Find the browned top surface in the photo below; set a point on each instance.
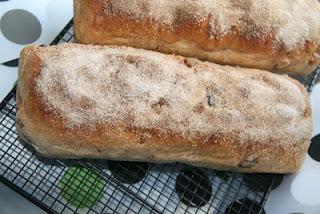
(288, 23)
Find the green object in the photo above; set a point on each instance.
(81, 187)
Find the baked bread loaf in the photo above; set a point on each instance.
(279, 36)
(78, 101)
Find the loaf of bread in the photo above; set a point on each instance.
(78, 101)
(279, 36)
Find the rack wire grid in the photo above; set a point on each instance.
(101, 186)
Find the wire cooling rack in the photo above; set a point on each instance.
(100, 186)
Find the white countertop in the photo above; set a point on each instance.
(53, 16)
(13, 203)
(297, 193)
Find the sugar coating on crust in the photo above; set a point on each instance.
(290, 22)
(89, 85)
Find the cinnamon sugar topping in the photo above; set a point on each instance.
(292, 21)
(119, 85)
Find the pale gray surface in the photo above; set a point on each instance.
(12, 203)
(20, 26)
(8, 76)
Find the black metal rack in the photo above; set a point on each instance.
(97, 186)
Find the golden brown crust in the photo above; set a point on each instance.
(47, 131)
(188, 37)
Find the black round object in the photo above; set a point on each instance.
(244, 206)
(128, 172)
(223, 175)
(261, 182)
(314, 148)
(12, 63)
(48, 161)
(72, 162)
(98, 163)
(193, 187)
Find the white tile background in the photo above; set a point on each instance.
(53, 15)
(57, 13)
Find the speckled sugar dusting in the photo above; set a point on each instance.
(146, 89)
(258, 18)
